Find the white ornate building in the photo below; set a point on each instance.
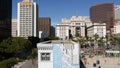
(74, 25)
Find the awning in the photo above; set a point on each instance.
(108, 51)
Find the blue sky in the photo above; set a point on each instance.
(58, 9)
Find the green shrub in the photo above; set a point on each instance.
(100, 52)
(8, 63)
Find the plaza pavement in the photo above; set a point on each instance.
(111, 62)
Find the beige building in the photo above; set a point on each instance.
(44, 25)
(97, 28)
(74, 25)
(14, 28)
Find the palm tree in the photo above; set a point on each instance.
(82, 41)
(110, 40)
(101, 42)
(91, 40)
(101, 45)
(32, 56)
(96, 36)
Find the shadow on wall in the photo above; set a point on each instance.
(82, 65)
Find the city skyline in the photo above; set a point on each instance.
(57, 10)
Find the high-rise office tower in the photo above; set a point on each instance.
(5, 18)
(44, 24)
(27, 18)
(103, 13)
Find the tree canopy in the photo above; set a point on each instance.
(14, 46)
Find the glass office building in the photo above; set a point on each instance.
(5, 18)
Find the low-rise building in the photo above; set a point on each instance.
(117, 29)
(45, 55)
(97, 28)
(58, 54)
(63, 31)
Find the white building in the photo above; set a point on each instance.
(63, 31)
(14, 27)
(117, 12)
(97, 28)
(74, 25)
(117, 29)
(27, 18)
(58, 54)
(45, 55)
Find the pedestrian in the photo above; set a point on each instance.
(105, 60)
(85, 60)
(99, 67)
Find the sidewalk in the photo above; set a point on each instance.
(26, 64)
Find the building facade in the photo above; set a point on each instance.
(97, 28)
(45, 56)
(58, 54)
(5, 18)
(117, 29)
(117, 12)
(27, 18)
(103, 13)
(73, 26)
(62, 31)
(44, 24)
(14, 27)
